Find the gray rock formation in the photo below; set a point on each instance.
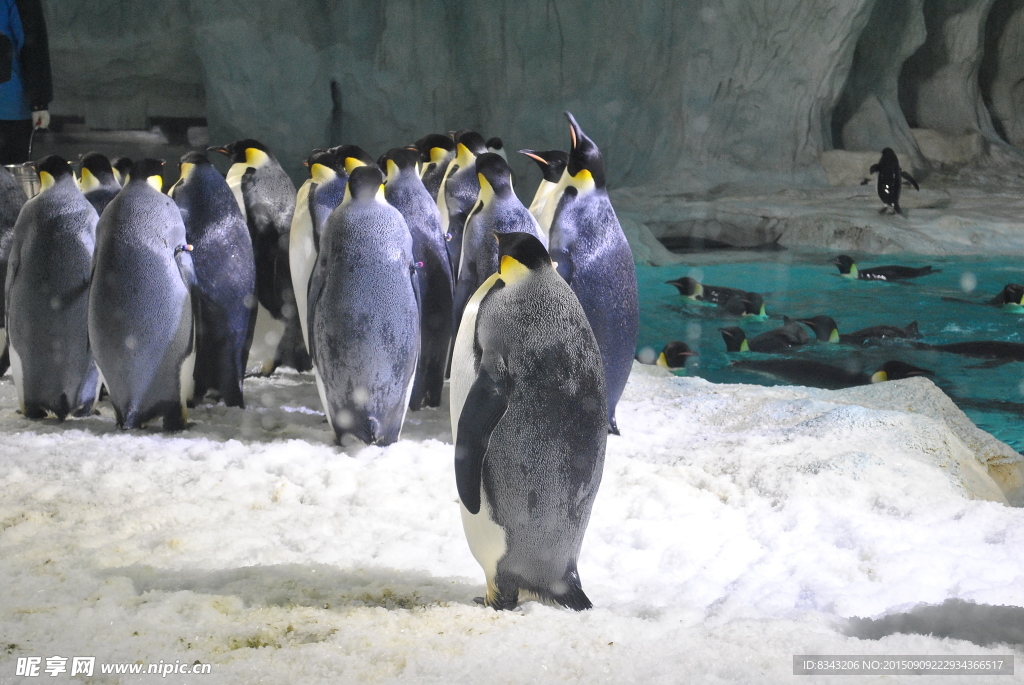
(1002, 69)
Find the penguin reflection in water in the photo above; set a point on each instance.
(530, 425)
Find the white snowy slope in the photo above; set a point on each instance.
(735, 527)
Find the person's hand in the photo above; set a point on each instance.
(41, 119)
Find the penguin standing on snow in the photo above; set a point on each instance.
(47, 297)
(458, 193)
(890, 180)
(141, 326)
(530, 427)
(405, 192)
(12, 199)
(436, 152)
(266, 196)
(594, 258)
(225, 278)
(364, 328)
(98, 182)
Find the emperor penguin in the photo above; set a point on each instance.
(890, 181)
(141, 325)
(458, 192)
(530, 426)
(47, 297)
(319, 195)
(364, 328)
(266, 196)
(97, 181)
(12, 199)
(405, 192)
(594, 258)
(552, 165)
(436, 152)
(497, 211)
(225, 278)
(122, 167)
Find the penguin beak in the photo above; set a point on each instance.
(217, 148)
(532, 155)
(574, 128)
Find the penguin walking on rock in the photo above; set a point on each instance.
(497, 211)
(590, 249)
(141, 325)
(97, 181)
(890, 181)
(405, 192)
(47, 297)
(12, 199)
(458, 193)
(436, 153)
(364, 328)
(530, 427)
(266, 196)
(225, 278)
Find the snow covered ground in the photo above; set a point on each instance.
(735, 527)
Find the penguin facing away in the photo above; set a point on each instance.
(364, 328)
(530, 428)
(594, 258)
(122, 168)
(890, 180)
(98, 182)
(405, 192)
(141, 325)
(458, 193)
(225, 278)
(47, 297)
(12, 199)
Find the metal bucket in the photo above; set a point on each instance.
(27, 176)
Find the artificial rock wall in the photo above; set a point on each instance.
(691, 95)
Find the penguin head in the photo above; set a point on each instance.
(364, 183)
(495, 144)
(246, 151)
(323, 166)
(1013, 293)
(585, 161)
(844, 263)
(494, 175)
(889, 157)
(122, 168)
(687, 287)
(399, 160)
(190, 160)
(551, 162)
(95, 171)
(351, 156)
(435, 147)
(895, 370)
(519, 254)
(753, 304)
(675, 354)
(824, 327)
(149, 171)
(52, 169)
(468, 145)
(735, 339)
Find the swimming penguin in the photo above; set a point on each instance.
(1012, 294)
(826, 330)
(225, 278)
(590, 249)
(364, 328)
(998, 351)
(141, 325)
(47, 297)
(12, 199)
(815, 374)
(552, 165)
(266, 196)
(436, 152)
(122, 168)
(672, 357)
(780, 339)
(890, 180)
(530, 427)
(848, 269)
(733, 300)
(98, 181)
(405, 192)
(458, 193)
(497, 211)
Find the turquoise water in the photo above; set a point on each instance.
(948, 306)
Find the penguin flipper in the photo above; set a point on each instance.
(873, 169)
(485, 405)
(910, 179)
(313, 290)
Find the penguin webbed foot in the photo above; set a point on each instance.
(613, 427)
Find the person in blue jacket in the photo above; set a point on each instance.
(26, 85)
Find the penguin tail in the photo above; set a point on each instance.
(571, 595)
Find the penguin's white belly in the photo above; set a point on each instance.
(265, 338)
(301, 255)
(234, 179)
(463, 374)
(186, 376)
(485, 537)
(18, 376)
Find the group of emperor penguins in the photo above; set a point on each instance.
(391, 273)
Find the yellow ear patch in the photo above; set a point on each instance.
(834, 336)
(88, 181)
(380, 194)
(744, 347)
(156, 181)
(879, 377)
(512, 269)
(255, 158)
(322, 173)
(486, 191)
(392, 170)
(351, 163)
(186, 169)
(46, 180)
(583, 181)
(437, 154)
(662, 361)
(464, 156)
